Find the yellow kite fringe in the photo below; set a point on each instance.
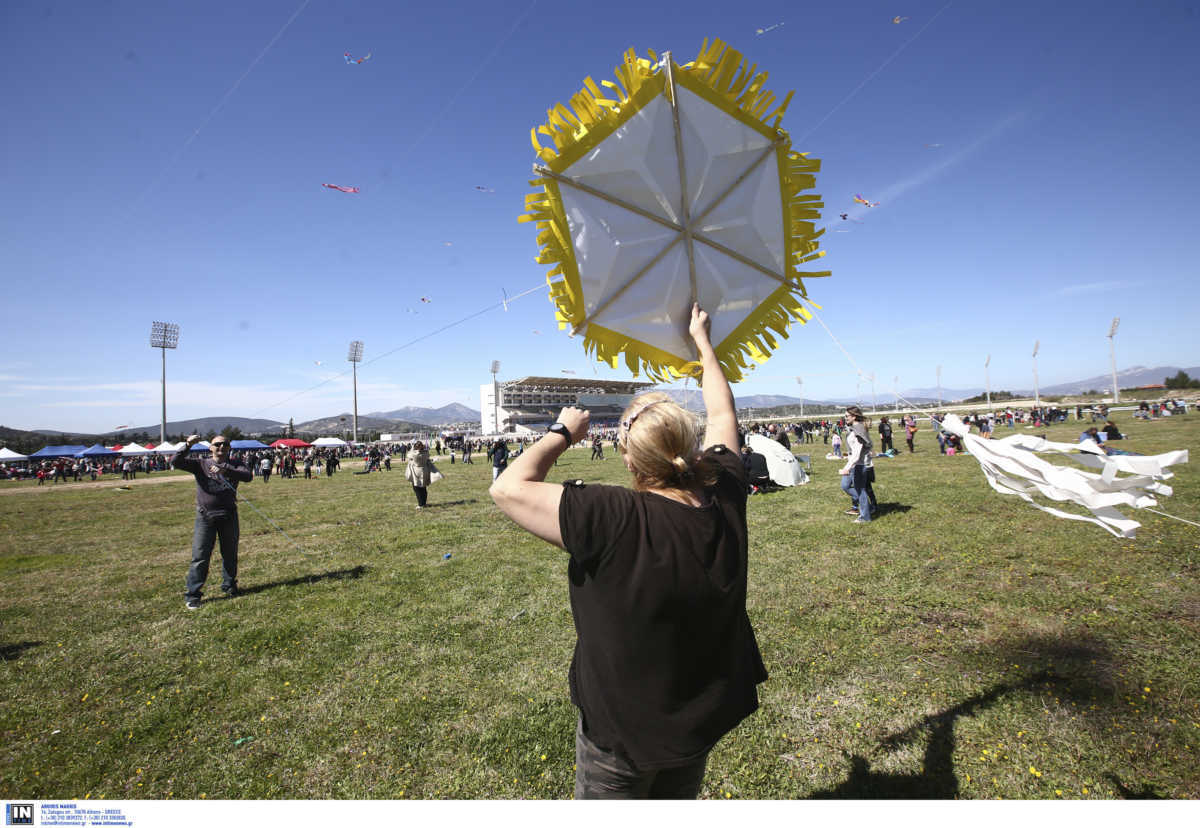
(722, 77)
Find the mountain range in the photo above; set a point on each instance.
(415, 418)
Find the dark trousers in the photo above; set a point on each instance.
(885, 443)
(205, 536)
(422, 493)
(601, 774)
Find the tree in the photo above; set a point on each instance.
(291, 431)
(232, 433)
(1181, 380)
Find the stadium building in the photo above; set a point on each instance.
(530, 404)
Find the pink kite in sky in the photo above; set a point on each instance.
(860, 200)
(341, 189)
(352, 59)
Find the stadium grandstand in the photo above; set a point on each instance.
(530, 404)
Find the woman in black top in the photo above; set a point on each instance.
(665, 661)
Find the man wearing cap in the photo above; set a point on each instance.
(217, 478)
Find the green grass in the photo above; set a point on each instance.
(953, 647)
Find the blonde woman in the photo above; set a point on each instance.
(665, 661)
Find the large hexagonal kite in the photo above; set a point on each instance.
(679, 188)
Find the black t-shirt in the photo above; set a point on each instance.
(665, 661)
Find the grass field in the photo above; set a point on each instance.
(962, 645)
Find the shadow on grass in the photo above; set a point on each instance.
(10, 651)
(1146, 791)
(335, 575)
(450, 503)
(1081, 668)
(892, 508)
(936, 779)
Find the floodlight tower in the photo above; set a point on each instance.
(1112, 356)
(874, 401)
(987, 380)
(896, 391)
(164, 335)
(1037, 400)
(800, 382)
(495, 395)
(355, 357)
(939, 375)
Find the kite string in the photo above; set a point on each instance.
(831, 336)
(868, 78)
(220, 104)
(436, 120)
(1172, 517)
(411, 342)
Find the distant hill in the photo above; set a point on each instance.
(1129, 378)
(452, 413)
(204, 425)
(342, 423)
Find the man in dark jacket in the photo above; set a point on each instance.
(216, 513)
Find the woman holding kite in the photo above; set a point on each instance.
(665, 661)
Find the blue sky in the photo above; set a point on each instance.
(163, 161)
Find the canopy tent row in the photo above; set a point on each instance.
(10, 456)
(57, 451)
(290, 442)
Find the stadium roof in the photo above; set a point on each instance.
(569, 384)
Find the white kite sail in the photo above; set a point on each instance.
(1012, 466)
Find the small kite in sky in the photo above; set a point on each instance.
(846, 217)
(567, 371)
(539, 333)
(761, 32)
(118, 428)
(860, 200)
(426, 299)
(484, 189)
(504, 293)
(317, 362)
(351, 59)
(898, 20)
(341, 189)
(448, 244)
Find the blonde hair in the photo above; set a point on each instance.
(661, 443)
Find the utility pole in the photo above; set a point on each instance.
(939, 383)
(987, 381)
(1112, 356)
(800, 382)
(1037, 400)
(164, 335)
(355, 357)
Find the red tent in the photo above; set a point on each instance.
(290, 442)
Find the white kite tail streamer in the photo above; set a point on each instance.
(1012, 466)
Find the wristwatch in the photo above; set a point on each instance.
(561, 430)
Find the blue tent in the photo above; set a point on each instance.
(97, 451)
(58, 451)
(247, 444)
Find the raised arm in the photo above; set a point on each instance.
(721, 427)
(520, 491)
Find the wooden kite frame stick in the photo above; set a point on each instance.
(684, 213)
(604, 306)
(579, 185)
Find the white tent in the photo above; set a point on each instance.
(782, 465)
(329, 441)
(10, 456)
(134, 448)
(167, 448)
